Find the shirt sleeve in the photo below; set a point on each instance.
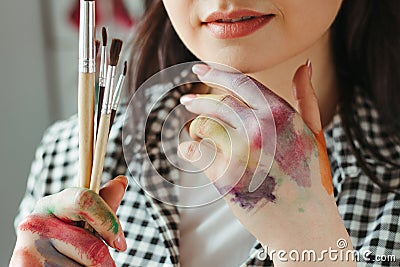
(54, 166)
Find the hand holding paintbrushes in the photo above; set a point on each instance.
(91, 166)
(108, 101)
(109, 104)
(73, 245)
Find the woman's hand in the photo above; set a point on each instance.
(270, 161)
(50, 235)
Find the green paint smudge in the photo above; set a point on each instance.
(113, 223)
(51, 210)
(108, 216)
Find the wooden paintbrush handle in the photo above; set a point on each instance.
(86, 105)
(100, 152)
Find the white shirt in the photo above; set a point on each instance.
(209, 235)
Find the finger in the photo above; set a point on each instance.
(51, 240)
(79, 204)
(222, 171)
(24, 257)
(226, 108)
(25, 254)
(250, 91)
(213, 130)
(307, 105)
(306, 100)
(113, 192)
(201, 154)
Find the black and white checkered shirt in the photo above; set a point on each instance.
(370, 215)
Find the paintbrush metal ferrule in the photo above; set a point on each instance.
(87, 47)
(108, 92)
(103, 66)
(117, 92)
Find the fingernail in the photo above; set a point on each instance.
(120, 242)
(191, 150)
(123, 180)
(187, 99)
(201, 69)
(309, 66)
(186, 152)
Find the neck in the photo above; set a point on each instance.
(279, 77)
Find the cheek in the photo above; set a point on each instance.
(308, 20)
(183, 20)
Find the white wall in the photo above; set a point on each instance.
(23, 107)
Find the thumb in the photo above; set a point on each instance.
(307, 105)
(113, 191)
(306, 100)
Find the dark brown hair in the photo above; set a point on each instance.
(155, 46)
(365, 44)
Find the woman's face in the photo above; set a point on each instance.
(251, 35)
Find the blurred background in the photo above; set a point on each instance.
(38, 84)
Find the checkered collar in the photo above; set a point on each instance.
(342, 154)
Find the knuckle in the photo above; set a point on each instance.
(228, 100)
(229, 109)
(84, 199)
(24, 258)
(203, 126)
(32, 222)
(42, 205)
(314, 98)
(242, 80)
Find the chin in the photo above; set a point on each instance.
(237, 61)
(239, 64)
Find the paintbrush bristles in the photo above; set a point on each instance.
(104, 36)
(97, 47)
(115, 50)
(125, 68)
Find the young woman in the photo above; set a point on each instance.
(352, 51)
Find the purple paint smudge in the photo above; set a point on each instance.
(51, 255)
(248, 200)
(293, 149)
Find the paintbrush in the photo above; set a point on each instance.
(102, 75)
(117, 94)
(86, 87)
(105, 117)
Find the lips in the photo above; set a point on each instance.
(235, 24)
